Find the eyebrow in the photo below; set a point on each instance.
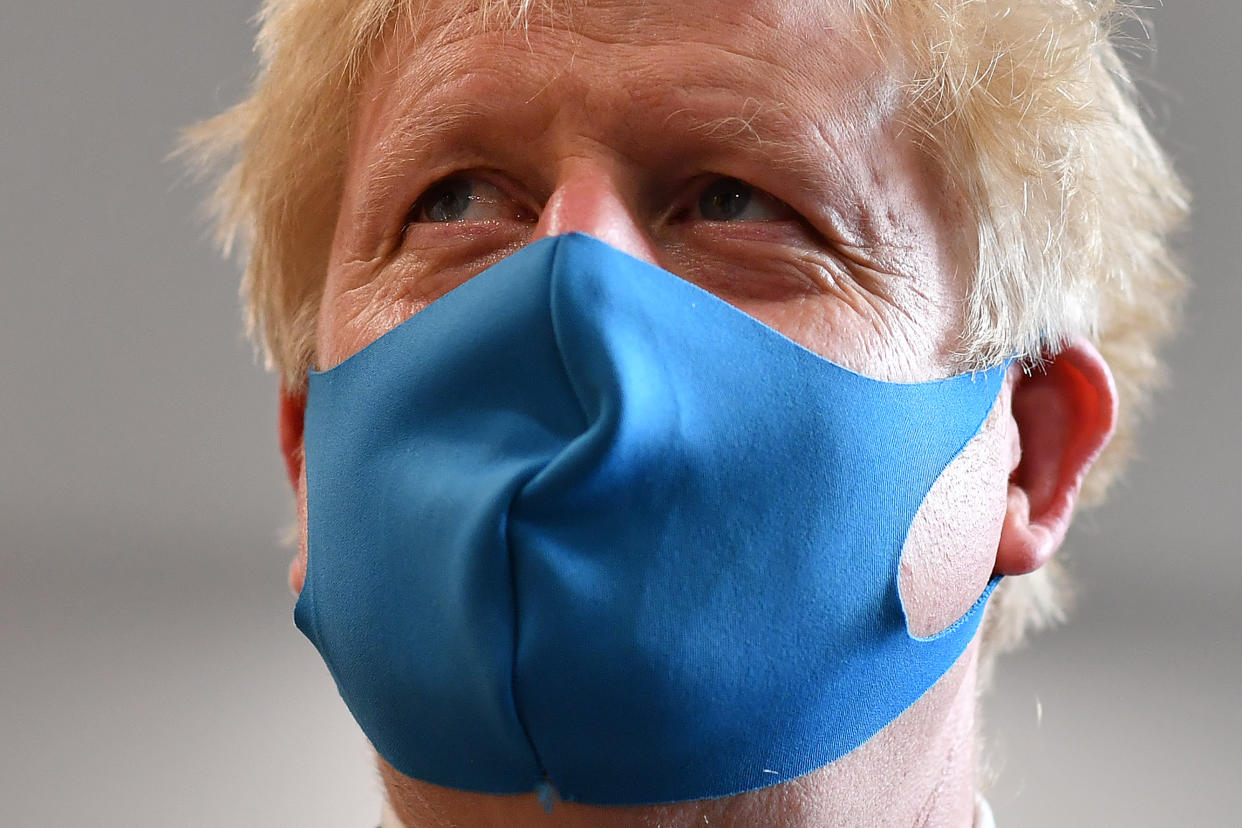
(749, 133)
(800, 143)
(740, 133)
(423, 126)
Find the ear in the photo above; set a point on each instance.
(292, 423)
(1064, 415)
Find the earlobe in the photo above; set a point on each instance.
(1064, 414)
(292, 422)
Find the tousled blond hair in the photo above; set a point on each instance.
(1026, 106)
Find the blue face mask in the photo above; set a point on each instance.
(581, 523)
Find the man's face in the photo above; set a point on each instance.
(753, 148)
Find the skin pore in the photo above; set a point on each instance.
(755, 149)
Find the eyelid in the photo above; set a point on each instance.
(688, 203)
(490, 178)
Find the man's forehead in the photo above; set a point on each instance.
(619, 19)
(799, 34)
(755, 58)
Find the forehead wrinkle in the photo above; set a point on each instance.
(414, 62)
(730, 108)
(444, 110)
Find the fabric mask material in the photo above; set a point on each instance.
(582, 523)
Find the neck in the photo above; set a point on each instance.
(918, 771)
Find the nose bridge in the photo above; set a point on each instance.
(588, 199)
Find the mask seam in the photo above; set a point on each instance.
(554, 270)
(517, 626)
(556, 330)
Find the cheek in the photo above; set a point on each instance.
(950, 552)
(860, 332)
(364, 300)
(353, 319)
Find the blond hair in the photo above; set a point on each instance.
(1026, 106)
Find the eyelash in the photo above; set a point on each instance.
(680, 211)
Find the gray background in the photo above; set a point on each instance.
(149, 671)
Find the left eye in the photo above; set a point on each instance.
(462, 198)
(730, 199)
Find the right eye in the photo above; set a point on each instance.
(463, 198)
(728, 199)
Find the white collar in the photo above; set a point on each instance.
(388, 818)
(983, 813)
